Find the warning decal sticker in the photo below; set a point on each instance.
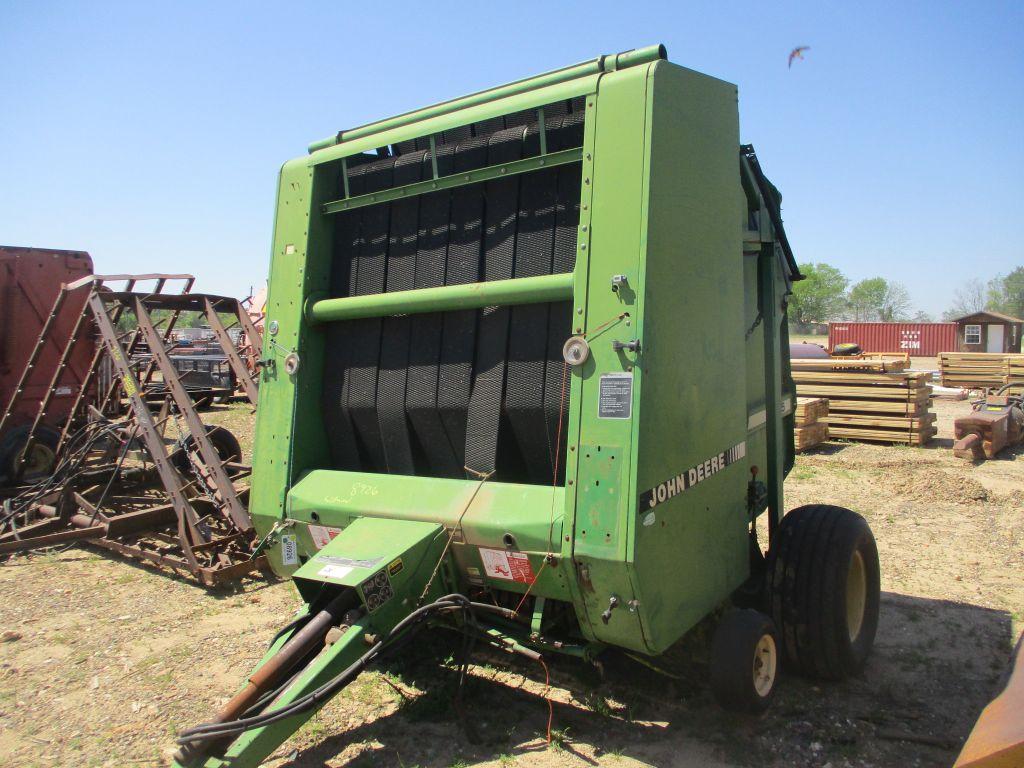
(511, 566)
(348, 561)
(289, 550)
(377, 590)
(615, 396)
(322, 536)
(332, 571)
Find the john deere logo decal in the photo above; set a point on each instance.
(691, 477)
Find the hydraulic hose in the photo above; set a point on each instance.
(216, 731)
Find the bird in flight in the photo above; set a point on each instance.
(797, 53)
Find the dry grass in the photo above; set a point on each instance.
(112, 658)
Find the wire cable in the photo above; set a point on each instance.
(317, 697)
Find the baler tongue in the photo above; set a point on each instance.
(368, 585)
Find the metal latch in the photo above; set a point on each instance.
(613, 603)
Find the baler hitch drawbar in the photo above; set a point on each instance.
(252, 708)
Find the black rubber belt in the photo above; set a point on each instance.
(404, 147)
(365, 334)
(528, 337)
(344, 275)
(488, 127)
(396, 331)
(425, 346)
(459, 328)
(454, 135)
(485, 405)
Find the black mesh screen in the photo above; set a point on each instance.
(431, 394)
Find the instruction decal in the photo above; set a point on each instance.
(334, 571)
(348, 561)
(511, 566)
(322, 536)
(289, 550)
(691, 477)
(377, 590)
(615, 396)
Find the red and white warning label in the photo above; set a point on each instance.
(502, 564)
(322, 535)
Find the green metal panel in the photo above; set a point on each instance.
(503, 93)
(609, 245)
(371, 545)
(483, 513)
(690, 548)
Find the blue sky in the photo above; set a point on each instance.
(151, 134)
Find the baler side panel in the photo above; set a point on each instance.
(690, 535)
(754, 329)
(603, 456)
(289, 430)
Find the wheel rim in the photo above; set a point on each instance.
(856, 595)
(765, 664)
(38, 463)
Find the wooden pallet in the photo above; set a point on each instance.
(876, 403)
(905, 408)
(856, 378)
(977, 370)
(920, 437)
(834, 392)
(809, 410)
(810, 436)
(875, 421)
(877, 364)
(1015, 374)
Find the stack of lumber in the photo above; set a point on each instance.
(1015, 374)
(973, 370)
(873, 400)
(810, 428)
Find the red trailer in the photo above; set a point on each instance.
(916, 339)
(30, 281)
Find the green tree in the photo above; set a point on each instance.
(867, 298)
(896, 305)
(967, 299)
(1006, 293)
(820, 296)
(876, 299)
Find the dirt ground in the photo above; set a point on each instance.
(104, 660)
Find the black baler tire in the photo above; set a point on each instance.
(807, 575)
(224, 442)
(732, 656)
(14, 442)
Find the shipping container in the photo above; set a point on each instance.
(916, 339)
